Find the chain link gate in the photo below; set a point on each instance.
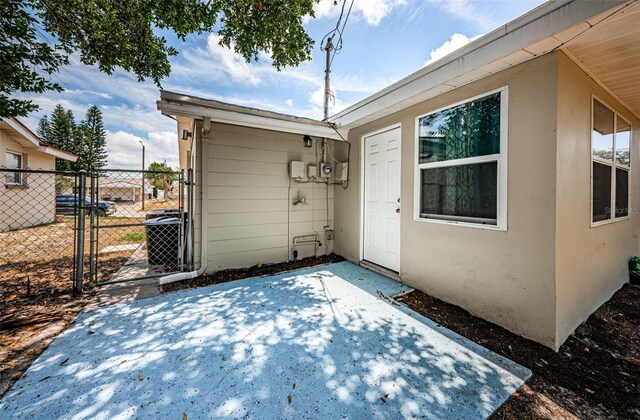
(137, 224)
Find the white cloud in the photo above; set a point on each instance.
(289, 102)
(218, 62)
(87, 93)
(456, 41)
(125, 152)
(465, 10)
(371, 11)
(316, 102)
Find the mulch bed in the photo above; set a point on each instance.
(595, 374)
(224, 276)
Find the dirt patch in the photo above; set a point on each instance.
(35, 307)
(224, 276)
(596, 373)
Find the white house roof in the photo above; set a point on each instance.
(180, 105)
(28, 139)
(120, 184)
(553, 25)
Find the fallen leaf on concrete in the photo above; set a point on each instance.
(183, 357)
(223, 357)
(184, 416)
(124, 361)
(290, 398)
(64, 362)
(383, 400)
(91, 332)
(386, 395)
(294, 386)
(140, 377)
(290, 323)
(92, 323)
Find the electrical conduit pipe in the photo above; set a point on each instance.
(204, 201)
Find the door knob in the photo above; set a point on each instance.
(398, 210)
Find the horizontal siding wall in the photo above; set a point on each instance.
(250, 216)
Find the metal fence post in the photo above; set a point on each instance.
(82, 204)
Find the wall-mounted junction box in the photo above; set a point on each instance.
(296, 169)
(342, 171)
(312, 171)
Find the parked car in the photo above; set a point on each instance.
(66, 204)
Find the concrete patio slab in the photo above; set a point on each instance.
(315, 343)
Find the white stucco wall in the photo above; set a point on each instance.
(34, 202)
(504, 277)
(591, 262)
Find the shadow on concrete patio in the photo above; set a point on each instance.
(307, 344)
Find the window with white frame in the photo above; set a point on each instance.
(461, 162)
(14, 161)
(610, 164)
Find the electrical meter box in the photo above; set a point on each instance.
(342, 171)
(312, 171)
(325, 170)
(296, 169)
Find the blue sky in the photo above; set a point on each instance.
(384, 41)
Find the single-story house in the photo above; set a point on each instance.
(20, 148)
(500, 178)
(127, 189)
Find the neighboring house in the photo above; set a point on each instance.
(26, 199)
(501, 178)
(115, 189)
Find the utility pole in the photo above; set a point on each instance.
(143, 190)
(327, 78)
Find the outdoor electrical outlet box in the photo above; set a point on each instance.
(325, 170)
(312, 171)
(342, 171)
(296, 169)
(329, 234)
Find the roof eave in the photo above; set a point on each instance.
(175, 105)
(537, 25)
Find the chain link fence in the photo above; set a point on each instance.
(37, 237)
(60, 231)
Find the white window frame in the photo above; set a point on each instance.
(612, 164)
(21, 175)
(501, 159)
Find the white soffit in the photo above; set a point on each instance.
(536, 33)
(610, 53)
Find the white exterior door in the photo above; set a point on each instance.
(381, 230)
